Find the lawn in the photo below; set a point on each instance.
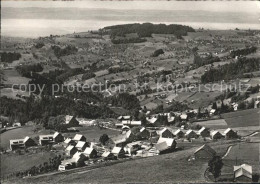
(213, 124)
(243, 118)
(92, 133)
(13, 162)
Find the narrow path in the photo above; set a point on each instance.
(228, 150)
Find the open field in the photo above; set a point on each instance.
(213, 124)
(242, 118)
(176, 166)
(13, 162)
(13, 77)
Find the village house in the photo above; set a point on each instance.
(144, 133)
(107, 155)
(118, 152)
(204, 132)
(178, 133)
(132, 147)
(70, 150)
(230, 134)
(165, 145)
(90, 152)
(50, 139)
(68, 142)
(165, 133)
(191, 134)
(81, 145)
(119, 140)
(152, 120)
(21, 143)
(243, 173)
(205, 151)
(132, 123)
(79, 137)
(184, 117)
(79, 159)
(71, 120)
(212, 112)
(214, 134)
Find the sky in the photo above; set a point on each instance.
(216, 6)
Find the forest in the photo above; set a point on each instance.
(243, 52)
(147, 29)
(9, 57)
(231, 71)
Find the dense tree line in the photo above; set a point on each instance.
(231, 71)
(243, 52)
(125, 100)
(147, 29)
(49, 106)
(68, 50)
(27, 70)
(9, 57)
(128, 40)
(39, 45)
(88, 75)
(198, 61)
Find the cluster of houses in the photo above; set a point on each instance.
(241, 173)
(29, 142)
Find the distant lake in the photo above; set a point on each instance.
(44, 27)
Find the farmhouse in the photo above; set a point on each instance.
(230, 134)
(165, 133)
(205, 151)
(204, 132)
(81, 145)
(118, 152)
(70, 150)
(243, 173)
(179, 134)
(215, 135)
(71, 120)
(119, 140)
(79, 137)
(191, 134)
(165, 145)
(90, 152)
(107, 155)
(21, 143)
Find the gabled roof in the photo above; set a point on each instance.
(81, 144)
(77, 156)
(201, 130)
(163, 130)
(142, 129)
(214, 132)
(207, 148)
(227, 130)
(55, 134)
(26, 139)
(68, 140)
(70, 147)
(88, 151)
(121, 138)
(189, 132)
(243, 170)
(116, 150)
(169, 141)
(106, 154)
(178, 131)
(77, 137)
(162, 146)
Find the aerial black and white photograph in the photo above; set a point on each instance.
(103, 91)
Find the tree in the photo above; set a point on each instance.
(214, 105)
(215, 166)
(103, 139)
